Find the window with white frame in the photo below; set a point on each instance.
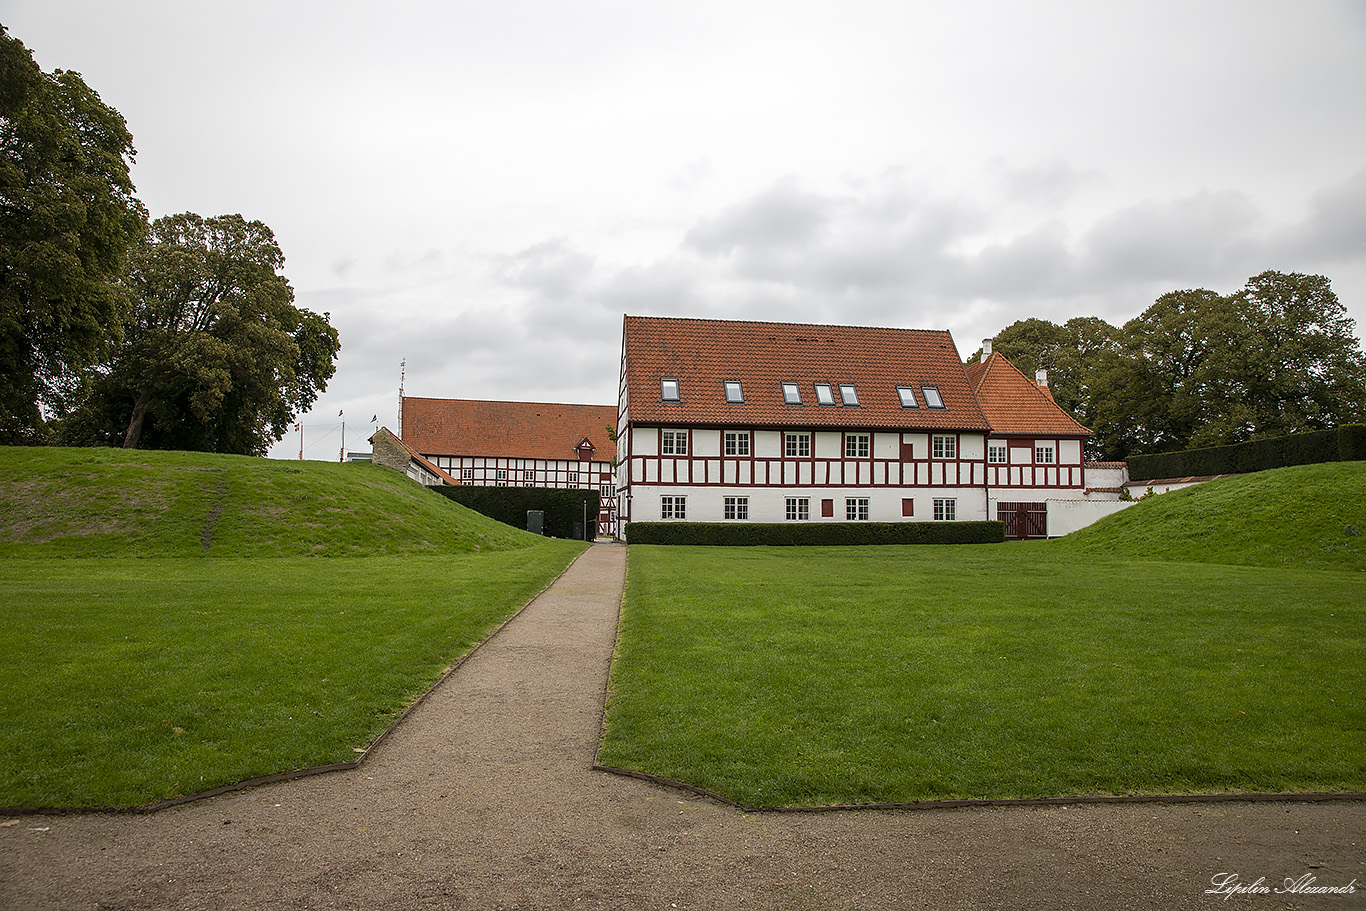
(932, 397)
(573, 477)
(824, 395)
(798, 509)
(791, 394)
(945, 510)
(907, 396)
(944, 446)
(668, 390)
(734, 393)
(529, 475)
(1043, 453)
(607, 492)
(674, 442)
(736, 508)
(797, 445)
(996, 454)
(737, 442)
(467, 474)
(673, 507)
(502, 474)
(848, 394)
(856, 509)
(856, 445)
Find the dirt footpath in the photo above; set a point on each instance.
(484, 798)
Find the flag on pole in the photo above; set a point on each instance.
(373, 420)
(339, 412)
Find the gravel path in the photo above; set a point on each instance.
(484, 798)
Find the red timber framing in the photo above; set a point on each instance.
(909, 462)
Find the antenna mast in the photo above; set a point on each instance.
(402, 373)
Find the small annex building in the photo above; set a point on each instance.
(519, 444)
(722, 420)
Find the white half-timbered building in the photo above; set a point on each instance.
(1035, 451)
(518, 444)
(772, 422)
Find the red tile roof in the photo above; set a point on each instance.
(704, 354)
(523, 430)
(1014, 403)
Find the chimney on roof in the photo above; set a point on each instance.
(986, 348)
(1041, 377)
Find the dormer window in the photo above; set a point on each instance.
(823, 394)
(932, 397)
(791, 394)
(848, 395)
(907, 396)
(668, 390)
(734, 393)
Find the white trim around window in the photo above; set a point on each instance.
(856, 509)
(945, 509)
(944, 446)
(736, 508)
(673, 507)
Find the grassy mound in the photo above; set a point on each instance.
(1311, 516)
(117, 503)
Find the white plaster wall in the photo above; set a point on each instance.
(829, 445)
(1066, 516)
(886, 445)
(972, 446)
(1069, 451)
(1107, 477)
(769, 504)
(644, 441)
(768, 444)
(706, 443)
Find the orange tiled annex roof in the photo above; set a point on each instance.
(1013, 403)
(523, 430)
(702, 355)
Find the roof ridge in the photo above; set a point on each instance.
(785, 323)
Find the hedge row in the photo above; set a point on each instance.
(1346, 444)
(563, 507)
(743, 534)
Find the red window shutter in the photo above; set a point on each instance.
(907, 506)
(827, 509)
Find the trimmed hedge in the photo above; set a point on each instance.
(563, 507)
(1346, 444)
(824, 534)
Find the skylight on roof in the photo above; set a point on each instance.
(791, 394)
(823, 394)
(907, 396)
(733, 391)
(932, 397)
(848, 395)
(668, 390)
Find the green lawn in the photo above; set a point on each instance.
(170, 622)
(124, 682)
(806, 676)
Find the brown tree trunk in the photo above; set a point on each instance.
(130, 439)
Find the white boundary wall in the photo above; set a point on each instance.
(1066, 516)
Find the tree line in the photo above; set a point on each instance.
(1199, 368)
(178, 333)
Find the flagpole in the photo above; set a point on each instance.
(301, 441)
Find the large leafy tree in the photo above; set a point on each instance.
(1199, 368)
(215, 356)
(68, 219)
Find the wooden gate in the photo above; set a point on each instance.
(1023, 520)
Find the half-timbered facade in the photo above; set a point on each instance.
(1035, 450)
(751, 421)
(518, 444)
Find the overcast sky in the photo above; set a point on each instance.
(486, 188)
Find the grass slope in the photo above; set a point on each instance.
(159, 666)
(1105, 665)
(111, 502)
(1310, 516)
